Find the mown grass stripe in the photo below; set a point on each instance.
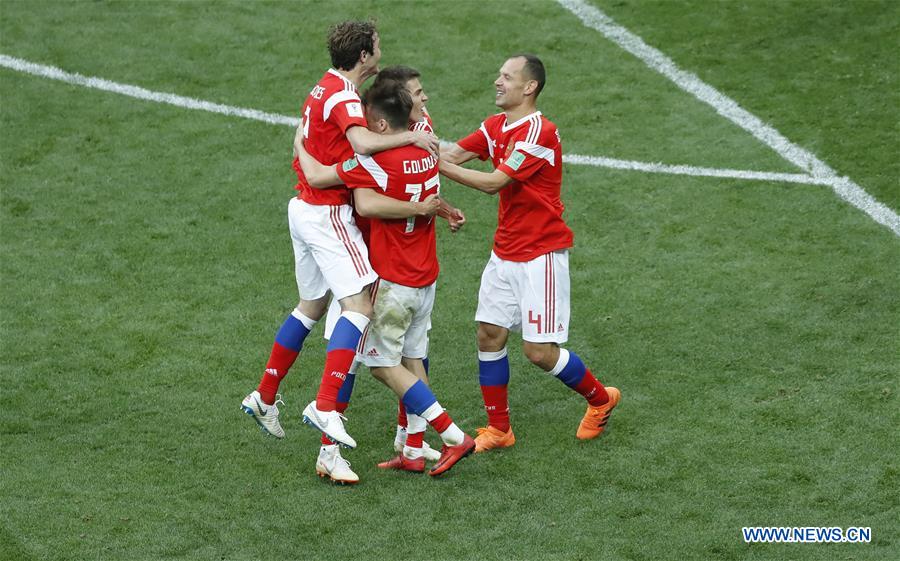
(844, 187)
(134, 91)
(191, 103)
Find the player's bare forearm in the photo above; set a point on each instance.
(453, 153)
(372, 204)
(318, 176)
(490, 183)
(367, 142)
(454, 216)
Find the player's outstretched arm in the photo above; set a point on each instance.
(453, 153)
(372, 204)
(490, 183)
(367, 142)
(318, 176)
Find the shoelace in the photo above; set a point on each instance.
(279, 400)
(337, 456)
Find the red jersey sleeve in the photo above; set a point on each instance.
(344, 108)
(362, 172)
(527, 158)
(477, 143)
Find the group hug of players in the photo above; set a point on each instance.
(363, 234)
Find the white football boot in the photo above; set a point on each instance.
(266, 416)
(333, 466)
(429, 453)
(329, 422)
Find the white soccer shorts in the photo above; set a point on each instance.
(399, 326)
(334, 312)
(531, 297)
(329, 252)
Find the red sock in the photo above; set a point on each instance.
(337, 364)
(415, 440)
(592, 390)
(496, 403)
(401, 414)
(280, 361)
(440, 423)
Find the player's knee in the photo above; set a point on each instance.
(491, 340)
(379, 374)
(313, 309)
(360, 303)
(542, 355)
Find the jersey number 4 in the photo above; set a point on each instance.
(415, 189)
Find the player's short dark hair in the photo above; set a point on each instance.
(389, 100)
(349, 38)
(399, 73)
(534, 70)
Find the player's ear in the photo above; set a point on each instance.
(530, 87)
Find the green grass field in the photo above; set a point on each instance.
(753, 327)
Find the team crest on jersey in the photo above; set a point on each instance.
(515, 160)
(350, 164)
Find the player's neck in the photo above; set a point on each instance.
(513, 114)
(355, 75)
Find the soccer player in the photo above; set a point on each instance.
(419, 119)
(330, 256)
(404, 255)
(525, 285)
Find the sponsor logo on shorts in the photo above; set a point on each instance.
(372, 352)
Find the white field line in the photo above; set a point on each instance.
(140, 93)
(728, 108)
(613, 163)
(845, 188)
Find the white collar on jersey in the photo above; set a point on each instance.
(508, 127)
(341, 76)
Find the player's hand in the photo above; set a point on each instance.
(426, 141)
(456, 220)
(429, 206)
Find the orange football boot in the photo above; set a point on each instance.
(595, 418)
(490, 437)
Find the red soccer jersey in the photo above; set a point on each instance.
(425, 124)
(362, 222)
(332, 107)
(529, 222)
(403, 251)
